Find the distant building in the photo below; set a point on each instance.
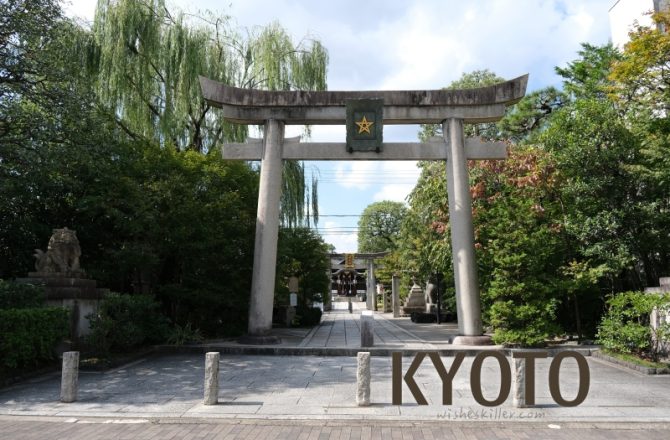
(624, 13)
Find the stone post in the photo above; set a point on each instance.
(367, 325)
(267, 228)
(395, 292)
(462, 233)
(363, 378)
(211, 378)
(370, 285)
(69, 385)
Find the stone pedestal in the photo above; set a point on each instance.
(70, 290)
(416, 302)
(472, 340)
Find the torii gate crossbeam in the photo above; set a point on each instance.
(451, 108)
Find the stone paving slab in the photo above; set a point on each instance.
(323, 388)
(338, 334)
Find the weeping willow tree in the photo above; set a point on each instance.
(147, 60)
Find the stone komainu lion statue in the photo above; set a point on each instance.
(62, 255)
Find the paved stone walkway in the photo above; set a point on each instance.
(314, 396)
(339, 328)
(323, 388)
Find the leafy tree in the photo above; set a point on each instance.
(303, 253)
(531, 115)
(147, 62)
(588, 77)
(379, 226)
(46, 115)
(27, 28)
(519, 245)
(471, 80)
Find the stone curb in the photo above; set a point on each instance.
(341, 351)
(631, 366)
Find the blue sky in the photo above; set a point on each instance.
(398, 45)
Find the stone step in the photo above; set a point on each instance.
(664, 281)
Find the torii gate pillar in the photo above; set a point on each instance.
(267, 231)
(462, 237)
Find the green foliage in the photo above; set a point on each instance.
(307, 316)
(531, 115)
(302, 253)
(588, 76)
(625, 327)
(470, 80)
(27, 27)
(29, 336)
(379, 226)
(185, 335)
(20, 296)
(519, 246)
(147, 62)
(125, 322)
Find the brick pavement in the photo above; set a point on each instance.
(21, 428)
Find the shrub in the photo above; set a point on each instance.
(307, 316)
(20, 296)
(523, 325)
(125, 322)
(29, 336)
(185, 335)
(625, 327)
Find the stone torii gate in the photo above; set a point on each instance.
(451, 108)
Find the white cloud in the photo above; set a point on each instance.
(402, 177)
(80, 9)
(355, 174)
(394, 192)
(343, 241)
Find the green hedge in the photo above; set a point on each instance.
(625, 326)
(125, 322)
(20, 296)
(29, 336)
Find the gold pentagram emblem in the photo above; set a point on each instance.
(364, 125)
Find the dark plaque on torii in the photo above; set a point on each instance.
(365, 124)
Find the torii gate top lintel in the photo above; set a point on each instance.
(252, 106)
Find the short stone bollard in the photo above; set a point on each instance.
(518, 382)
(523, 377)
(69, 384)
(212, 378)
(367, 324)
(363, 379)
